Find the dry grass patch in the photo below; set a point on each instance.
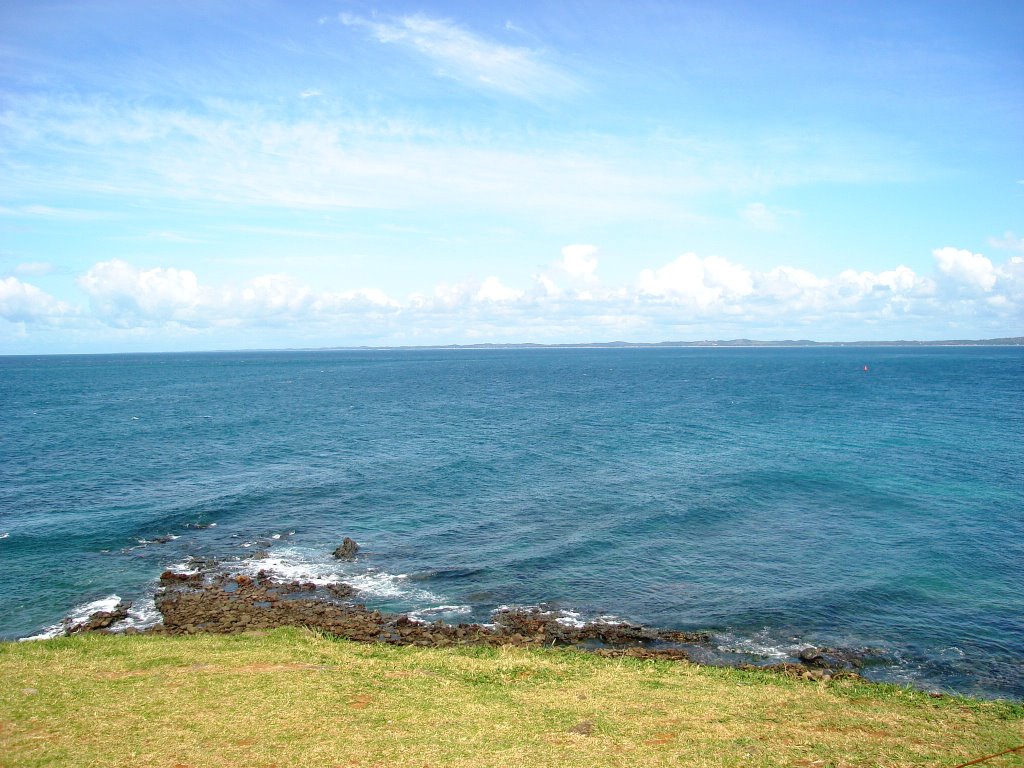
(295, 698)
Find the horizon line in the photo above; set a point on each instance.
(743, 343)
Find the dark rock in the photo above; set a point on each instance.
(812, 657)
(102, 619)
(340, 590)
(347, 550)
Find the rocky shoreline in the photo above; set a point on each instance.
(208, 600)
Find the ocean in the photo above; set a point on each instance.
(859, 498)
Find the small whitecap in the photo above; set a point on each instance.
(4, 535)
(142, 615)
(76, 616)
(759, 644)
(426, 615)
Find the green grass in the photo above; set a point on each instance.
(292, 697)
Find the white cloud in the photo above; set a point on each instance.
(579, 262)
(234, 153)
(760, 217)
(689, 297)
(310, 93)
(49, 212)
(696, 281)
(766, 218)
(1009, 242)
(492, 289)
(24, 302)
(123, 294)
(972, 269)
(469, 58)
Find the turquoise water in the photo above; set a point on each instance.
(779, 497)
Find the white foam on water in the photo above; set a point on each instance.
(389, 585)
(159, 539)
(76, 616)
(426, 615)
(185, 566)
(759, 644)
(294, 564)
(571, 619)
(291, 564)
(563, 616)
(4, 535)
(142, 615)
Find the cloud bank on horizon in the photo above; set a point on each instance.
(323, 175)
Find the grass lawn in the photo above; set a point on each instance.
(292, 697)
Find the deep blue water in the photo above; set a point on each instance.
(780, 497)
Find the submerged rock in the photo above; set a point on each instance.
(347, 550)
(812, 657)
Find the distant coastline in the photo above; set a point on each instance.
(1008, 341)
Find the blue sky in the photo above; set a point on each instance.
(214, 175)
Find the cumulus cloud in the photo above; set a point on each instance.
(579, 262)
(696, 281)
(689, 296)
(573, 275)
(22, 302)
(971, 269)
(123, 295)
(492, 289)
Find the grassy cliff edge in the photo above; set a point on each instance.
(293, 697)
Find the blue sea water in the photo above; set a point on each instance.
(778, 497)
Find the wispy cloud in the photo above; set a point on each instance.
(1008, 242)
(34, 268)
(163, 237)
(251, 155)
(49, 212)
(469, 58)
(766, 218)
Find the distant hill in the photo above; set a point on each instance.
(1011, 341)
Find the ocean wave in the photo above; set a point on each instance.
(76, 616)
(142, 615)
(427, 615)
(564, 616)
(761, 643)
(295, 564)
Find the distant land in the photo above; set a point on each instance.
(1010, 341)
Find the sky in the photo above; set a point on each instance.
(223, 175)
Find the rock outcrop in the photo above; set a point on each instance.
(347, 550)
